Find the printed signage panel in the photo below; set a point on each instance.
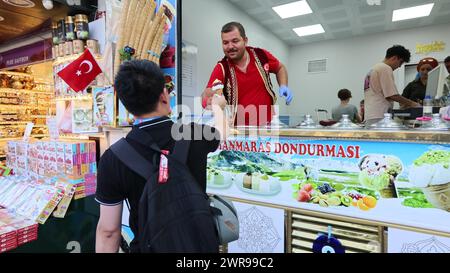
(399, 183)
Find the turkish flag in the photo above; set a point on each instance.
(81, 72)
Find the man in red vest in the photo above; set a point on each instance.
(243, 76)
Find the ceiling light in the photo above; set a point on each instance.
(309, 30)
(293, 9)
(48, 4)
(20, 3)
(412, 12)
(2, 19)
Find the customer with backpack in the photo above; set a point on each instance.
(162, 177)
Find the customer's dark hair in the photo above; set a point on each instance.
(233, 25)
(447, 60)
(344, 94)
(399, 51)
(139, 84)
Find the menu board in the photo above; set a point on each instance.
(399, 183)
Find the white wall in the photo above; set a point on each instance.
(349, 61)
(202, 22)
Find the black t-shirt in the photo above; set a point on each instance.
(415, 91)
(116, 182)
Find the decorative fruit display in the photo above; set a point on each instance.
(334, 201)
(361, 205)
(363, 202)
(331, 194)
(321, 199)
(303, 196)
(346, 201)
(308, 187)
(326, 188)
(370, 201)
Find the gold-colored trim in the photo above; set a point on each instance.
(346, 224)
(264, 77)
(342, 218)
(288, 231)
(234, 91)
(385, 240)
(404, 135)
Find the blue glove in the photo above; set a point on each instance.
(285, 92)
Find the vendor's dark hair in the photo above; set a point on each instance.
(139, 84)
(399, 51)
(344, 94)
(231, 26)
(447, 60)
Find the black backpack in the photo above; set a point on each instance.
(174, 217)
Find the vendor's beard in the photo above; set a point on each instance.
(238, 57)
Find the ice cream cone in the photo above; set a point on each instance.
(438, 196)
(217, 87)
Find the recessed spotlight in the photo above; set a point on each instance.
(48, 4)
(412, 12)
(293, 9)
(20, 3)
(309, 30)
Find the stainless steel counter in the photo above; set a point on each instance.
(378, 135)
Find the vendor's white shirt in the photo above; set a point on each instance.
(379, 85)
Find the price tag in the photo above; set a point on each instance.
(52, 128)
(28, 129)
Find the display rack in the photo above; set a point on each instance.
(19, 106)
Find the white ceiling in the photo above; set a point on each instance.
(341, 18)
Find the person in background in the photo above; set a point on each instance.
(345, 108)
(380, 91)
(416, 89)
(361, 110)
(447, 82)
(245, 75)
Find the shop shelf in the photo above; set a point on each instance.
(4, 106)
(12, 90)
(38, 116)
(9, 139)
(12, 123)
(12, 73)
(42, 135)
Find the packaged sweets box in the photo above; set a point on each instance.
(73, 158)
(15, 230)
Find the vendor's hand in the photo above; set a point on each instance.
(285, 92)
(410, 105)
(219, 101)
(206, 98)
(417, 105)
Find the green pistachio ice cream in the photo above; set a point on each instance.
(430, 169)
(377, 171)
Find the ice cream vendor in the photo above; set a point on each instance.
(243, 76)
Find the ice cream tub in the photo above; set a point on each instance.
(431, 173)
(378, 172)
(438, 196)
